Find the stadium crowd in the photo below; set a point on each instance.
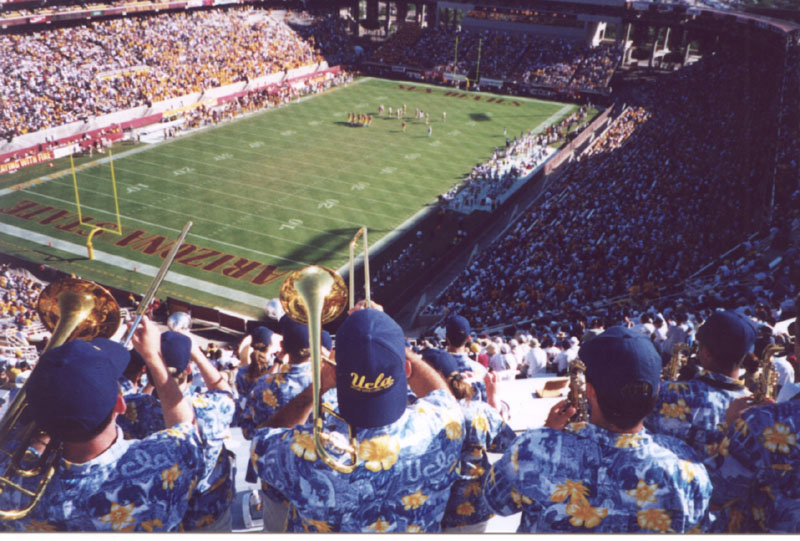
(74, 73)
(534, 60)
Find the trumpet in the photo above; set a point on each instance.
(314, 296)
(72, 309)
(577, 391)
(766, 378)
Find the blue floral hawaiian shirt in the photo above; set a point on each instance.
(693, 410)
(756, 473)
(588, 479)
(126, 386)
(402, 483)
(214, 411)
(272, 393)
(485, 431)
(135, 485)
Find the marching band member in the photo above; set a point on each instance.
(104, 482)
(409, 454)
(210, 503)
(756, 474)
(693, 410)
(272, 393)
(264, 345)
(485, 431)
(610, 474)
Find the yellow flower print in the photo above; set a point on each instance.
(785, 468)
(688, 470)
(205, 521)
(643, 493)
(170, 476)
(577, 426)
(152, 525)
(120, 516)
(192, 486)
(413, 501)
(379, 525)
(515, 459)
(570, 489)
(413, 528)
(779, 438)
(477, 452)
(627, 440)
(735, 521)
(304, 446)
(741, 427)
(319, 525)
(583, 514)
(199, 401)
(465, 509)
(473, 488)
(379, 453)
(678, 386)
(480, 423)
(677, 410)
(279, 378)
(453, 429)
(657, 520)
(519, 499)
(723, 446)
(176, 433)
(39, 526)
(269, 398)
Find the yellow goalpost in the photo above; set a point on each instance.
(94, 227)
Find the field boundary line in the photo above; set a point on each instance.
(141, 268)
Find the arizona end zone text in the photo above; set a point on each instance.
(206, 259)
(462, 95)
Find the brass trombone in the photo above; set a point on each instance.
(359, 233)
(314, 296)
(766, 378)
(679, 357)
(74, 310)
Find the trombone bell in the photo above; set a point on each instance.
(313, 296)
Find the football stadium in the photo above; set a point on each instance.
(316, 266)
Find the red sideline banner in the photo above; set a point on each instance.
(39, 157)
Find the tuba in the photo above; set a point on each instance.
(577, 391)
(72, 309)
(316, 295)
(766, 378)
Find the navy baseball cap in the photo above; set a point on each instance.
(441, 360)
(261, 335)
(176, 350)
(370, 369)
(619, 357)
(295, 336)
(457, 328)
(729, 334)
(76, 384)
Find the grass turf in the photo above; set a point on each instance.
(270, 192)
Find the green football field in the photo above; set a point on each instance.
(268, 193)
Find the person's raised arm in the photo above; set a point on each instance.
(175, 408)
(214, 380)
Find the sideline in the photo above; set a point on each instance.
(141, 268)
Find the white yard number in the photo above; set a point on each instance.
(291, 224)
(359, 186)
(225, 156)
(182, 171)
(136, 188)
(328, 204)
(256, 144)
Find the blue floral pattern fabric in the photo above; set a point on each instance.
(756, 472)
(693, 410)
(126, 386)
(402, 483)
(272, 393)
(134, 486)
(214, 411)
(588, 479)
(484, 431)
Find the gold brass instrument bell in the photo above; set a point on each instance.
(72, 309)
(316, 295)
